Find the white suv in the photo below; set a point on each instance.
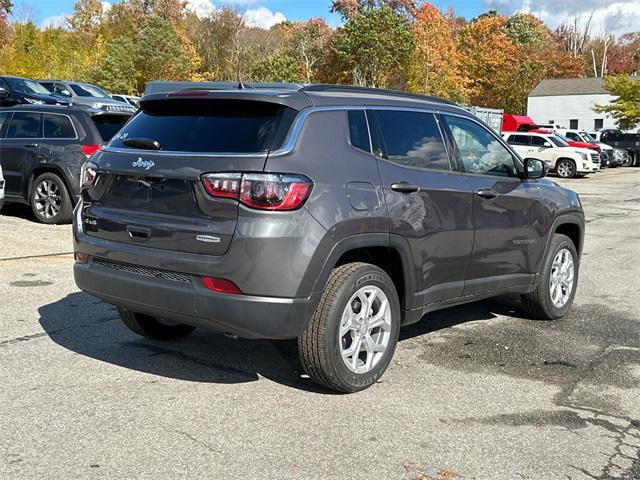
(563, 159)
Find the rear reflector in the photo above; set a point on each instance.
(80, 257)
(89, 150)
(220, 285)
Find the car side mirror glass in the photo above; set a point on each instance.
(3, 93)
(534, 168)
(65, 92)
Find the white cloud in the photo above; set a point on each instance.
(609, 16)
(57, 21)
(262, 17)
(202, 8)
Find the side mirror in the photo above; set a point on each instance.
(65, 92)
(546, 145)
(3, 93)
(535, 168)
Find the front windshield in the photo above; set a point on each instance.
(558, 140)
(587, 138)
(28, 86)
(88, 91)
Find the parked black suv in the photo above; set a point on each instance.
(18, 90)
(42, 149)
(329, 214)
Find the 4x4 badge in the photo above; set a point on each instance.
(146, 164)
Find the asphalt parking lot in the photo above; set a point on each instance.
(476, 391)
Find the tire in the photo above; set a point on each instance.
(628, 162)
(539, 304)
(566, 168)
(151, 327)
(323, 351)
(49, 199)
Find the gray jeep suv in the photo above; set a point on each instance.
(330, 214)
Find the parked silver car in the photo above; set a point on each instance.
(86, 94)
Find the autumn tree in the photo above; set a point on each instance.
(435, 61)
(487, 57)
(308, 44)
(5, 9)
(625, 108)
(375, 47)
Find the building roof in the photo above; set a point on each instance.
(569, 86)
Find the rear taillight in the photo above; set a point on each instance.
(222, 184)
(89, 150)
(220, 285)
(261, 191)
(88, 174)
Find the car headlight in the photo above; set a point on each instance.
(585, 157)
(34, 102)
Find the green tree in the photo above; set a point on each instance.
(375, 47)
(158, 53)
(117, 71)
(276, 68)
(625, 108)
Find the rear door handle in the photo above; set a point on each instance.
(31, 145)
(404, 187)
(487, 193)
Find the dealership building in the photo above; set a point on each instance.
(570, 102)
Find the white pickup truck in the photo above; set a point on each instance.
(563, 159)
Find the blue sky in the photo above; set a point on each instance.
(291, 9)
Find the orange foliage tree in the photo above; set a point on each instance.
(434, 68)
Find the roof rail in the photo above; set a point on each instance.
(164, 86)
(322, 87)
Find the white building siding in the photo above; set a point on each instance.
(562, 108)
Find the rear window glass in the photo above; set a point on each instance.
(109, 125)
(221, 126)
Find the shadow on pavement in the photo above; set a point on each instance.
(85, 325)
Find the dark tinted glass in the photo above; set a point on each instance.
(538, 141)
(412, 139)
(25, 125)
(58, 126)
(358, 130)
(109, 125)
(222, 126)
(572, 136)
(519, 139)
(4, 116)
(481, 152)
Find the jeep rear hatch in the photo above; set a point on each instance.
(149, 190)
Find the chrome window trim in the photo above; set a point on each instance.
(43, 137)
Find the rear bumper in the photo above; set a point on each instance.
(191, 303)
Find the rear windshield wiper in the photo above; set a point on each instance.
(143, 143)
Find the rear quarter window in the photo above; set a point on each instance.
(109, 125)
(217, 126)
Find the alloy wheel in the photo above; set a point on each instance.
(561, 278)
(365, 329)
(48, 199)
